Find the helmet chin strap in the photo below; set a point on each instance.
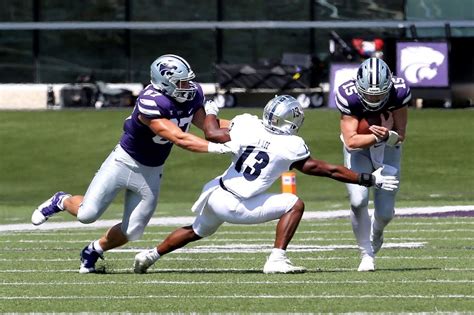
(183, 96)
(180, 100)
(374, 106)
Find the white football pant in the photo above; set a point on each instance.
(384, 201)
(222, 206)
(142, 187)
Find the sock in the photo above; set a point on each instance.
(61, 202)
(278, 252)
(361, 225)
(153, 253)
(378, 226)
(96, 246)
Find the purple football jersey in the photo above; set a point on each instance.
(143, 144)
(349, 102)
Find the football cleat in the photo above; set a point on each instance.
(367, 264)
(143, 261)
(281, 265)
(89, 257)
(48, 208)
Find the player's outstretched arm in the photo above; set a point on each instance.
(340, 173)
(166, 129)
(314, 167)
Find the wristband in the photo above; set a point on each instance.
(366, 179)
(377, 139)
(216, 148)
(392, 138)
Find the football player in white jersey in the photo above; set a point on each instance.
(161, 118)
(262, 151)
(374, 95)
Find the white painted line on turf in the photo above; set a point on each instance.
(186, 220)
(398, 212)
(198, 270)
(258, 248)
(393, 229)
(279, 282)
(247, 258)
(233, 297)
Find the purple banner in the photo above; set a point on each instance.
(340, 73)
(423, 64)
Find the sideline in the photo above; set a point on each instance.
(186, 220)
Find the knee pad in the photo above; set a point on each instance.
(384, 214)
(204, 230)
(358, 196)
(86, 217)
(359, 201)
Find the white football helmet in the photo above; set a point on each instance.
(172, 75)
(283, 115)
(373, 83)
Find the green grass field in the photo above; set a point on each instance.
(221, 274)
(43, 152)
(427, 266)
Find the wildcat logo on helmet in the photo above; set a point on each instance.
(166, 69)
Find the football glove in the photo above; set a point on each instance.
(211, 107)
(385, 182)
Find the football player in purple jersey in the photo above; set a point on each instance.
(375, 95)
(162, 115)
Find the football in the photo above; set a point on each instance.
(383, 119)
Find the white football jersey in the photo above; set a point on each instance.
(261, 157)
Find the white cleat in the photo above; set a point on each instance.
(367, 264)
(48, 208)
(143, 261)
(281, 265)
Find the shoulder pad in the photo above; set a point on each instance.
(154, 105)
(298, 148)
(342, 103)
(199, 98)
(243, 120)
(402, 92)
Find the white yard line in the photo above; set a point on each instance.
(247, 258)
(233, 297)
(257, 248)
(200, 270)
(185, 220)
(254, 248)
(279, 282)
(74, 234)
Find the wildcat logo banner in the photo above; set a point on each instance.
(423, 64)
